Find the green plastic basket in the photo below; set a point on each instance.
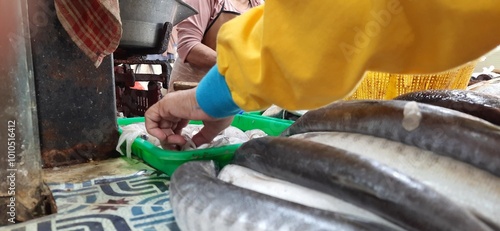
(167, 161)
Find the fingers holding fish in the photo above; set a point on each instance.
(156, 125)
(165, 120)
(210, 130)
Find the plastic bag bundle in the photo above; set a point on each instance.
(231, 135)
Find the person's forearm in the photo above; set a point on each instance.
(202, 57)
(213, 96)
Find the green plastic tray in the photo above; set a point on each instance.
(167, 161)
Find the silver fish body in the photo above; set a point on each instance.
(440, 130)
(491, 87)
(258, 182)
(202, 202)
(471, 188)
(358, 180)
(484, 106)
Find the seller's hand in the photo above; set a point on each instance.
(166, 119)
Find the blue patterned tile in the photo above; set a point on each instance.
(135, 202)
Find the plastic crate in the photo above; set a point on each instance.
(135, 102)
(167, 161)
(379, 85)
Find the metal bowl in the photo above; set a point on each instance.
(142, 21)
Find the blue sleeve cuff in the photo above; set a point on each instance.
(214, 97)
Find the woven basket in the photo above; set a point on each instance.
(378, 85)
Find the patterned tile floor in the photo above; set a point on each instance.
(131, 201)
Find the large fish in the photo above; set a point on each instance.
(491, 87)
(258, 182)
(470, 187)
(437, 129)
(358, 180)
(202, 202)
(478, 104)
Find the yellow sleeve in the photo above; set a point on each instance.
(305, 54)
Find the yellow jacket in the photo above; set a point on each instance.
(305, 54)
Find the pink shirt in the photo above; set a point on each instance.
(190, 31)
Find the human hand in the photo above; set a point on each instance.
(166, 119)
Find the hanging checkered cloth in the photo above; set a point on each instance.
(94, 25)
